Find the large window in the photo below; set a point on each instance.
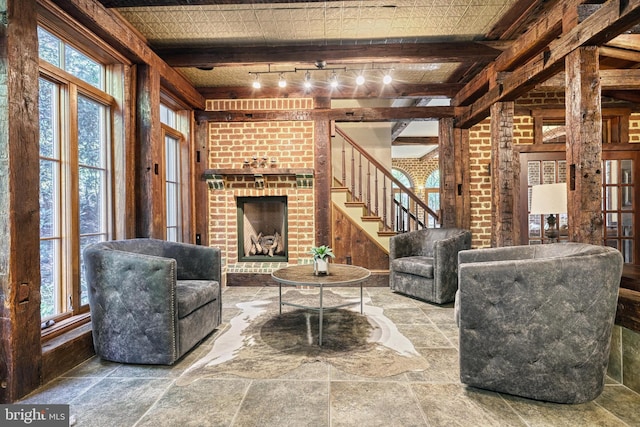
(75, 178)
(432, 194)
(174, 173)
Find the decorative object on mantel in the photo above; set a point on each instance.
(215, 182)
(215, 177)
(321, 255)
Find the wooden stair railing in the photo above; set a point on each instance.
(372, 184)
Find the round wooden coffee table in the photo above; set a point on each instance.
(340, 275)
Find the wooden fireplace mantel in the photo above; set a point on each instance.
(216, 177)
(209, 173)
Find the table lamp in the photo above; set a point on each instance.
(549, 199)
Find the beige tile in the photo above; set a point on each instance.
(631, 359)
(614, 368)
(284, 403)
(537, 413)
(374, 404)
(622, 402)
(457, 405)
(204, 402)
(443, 366)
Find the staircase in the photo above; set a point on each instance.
(357, 211)
(372, 198)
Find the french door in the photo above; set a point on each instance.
(619, 205)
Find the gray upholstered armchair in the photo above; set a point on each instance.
(536, 321)
(151, 300)
(423, 263)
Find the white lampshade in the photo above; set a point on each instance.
(549, 199)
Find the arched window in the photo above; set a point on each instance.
(432, 194)
(402, 177)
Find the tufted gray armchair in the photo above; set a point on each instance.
(423, 263)
(535, 321)
(151, 300)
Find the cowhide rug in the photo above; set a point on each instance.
(261, 343)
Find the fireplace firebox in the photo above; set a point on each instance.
(262, 229)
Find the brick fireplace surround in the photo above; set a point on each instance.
(278, 146)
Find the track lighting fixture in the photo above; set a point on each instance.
(333, 81)
(320, 67)
(256, 82)
(281, 81)
(307, 80)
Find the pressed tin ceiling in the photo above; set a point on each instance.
(318, 23)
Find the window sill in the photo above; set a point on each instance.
(65, 325)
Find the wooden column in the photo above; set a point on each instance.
(149, 166)
(447, 160)
(584, 146)
(463, 190)
(20, 349)
(201, 190)
(505, 177)
(323, 175)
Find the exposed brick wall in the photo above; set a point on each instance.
(480, 183)
(634, 128)
(289, 143)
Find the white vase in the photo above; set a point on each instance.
(320, 266)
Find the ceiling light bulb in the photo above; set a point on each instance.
(387, 79)
(307, 80)
(256, 83)
(334, 80)
(282, 82)
(360, 80)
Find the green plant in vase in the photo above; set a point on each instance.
(321, 255)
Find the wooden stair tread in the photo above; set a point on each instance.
(387, 233)
(371, 218)
(354, 204)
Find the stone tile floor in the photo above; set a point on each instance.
(109, 394)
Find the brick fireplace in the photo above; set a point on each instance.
(261, 160)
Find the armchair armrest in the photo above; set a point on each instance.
(445, 258)
(133, 305)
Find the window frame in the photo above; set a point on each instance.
(73, 312)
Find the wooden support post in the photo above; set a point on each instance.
(448, 187)
(584, 146)
(201, 188)
(323, 175)
(149, 165)
(504, 189)
(20, 348)
(463, 187)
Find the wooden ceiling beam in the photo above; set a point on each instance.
(226, 56)
(113, 29)
(145, 3)
(613, 18)
(530, 43)
(617, 53)
(392, 91)
(337, 114)
(624, 79)
(415, 140)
